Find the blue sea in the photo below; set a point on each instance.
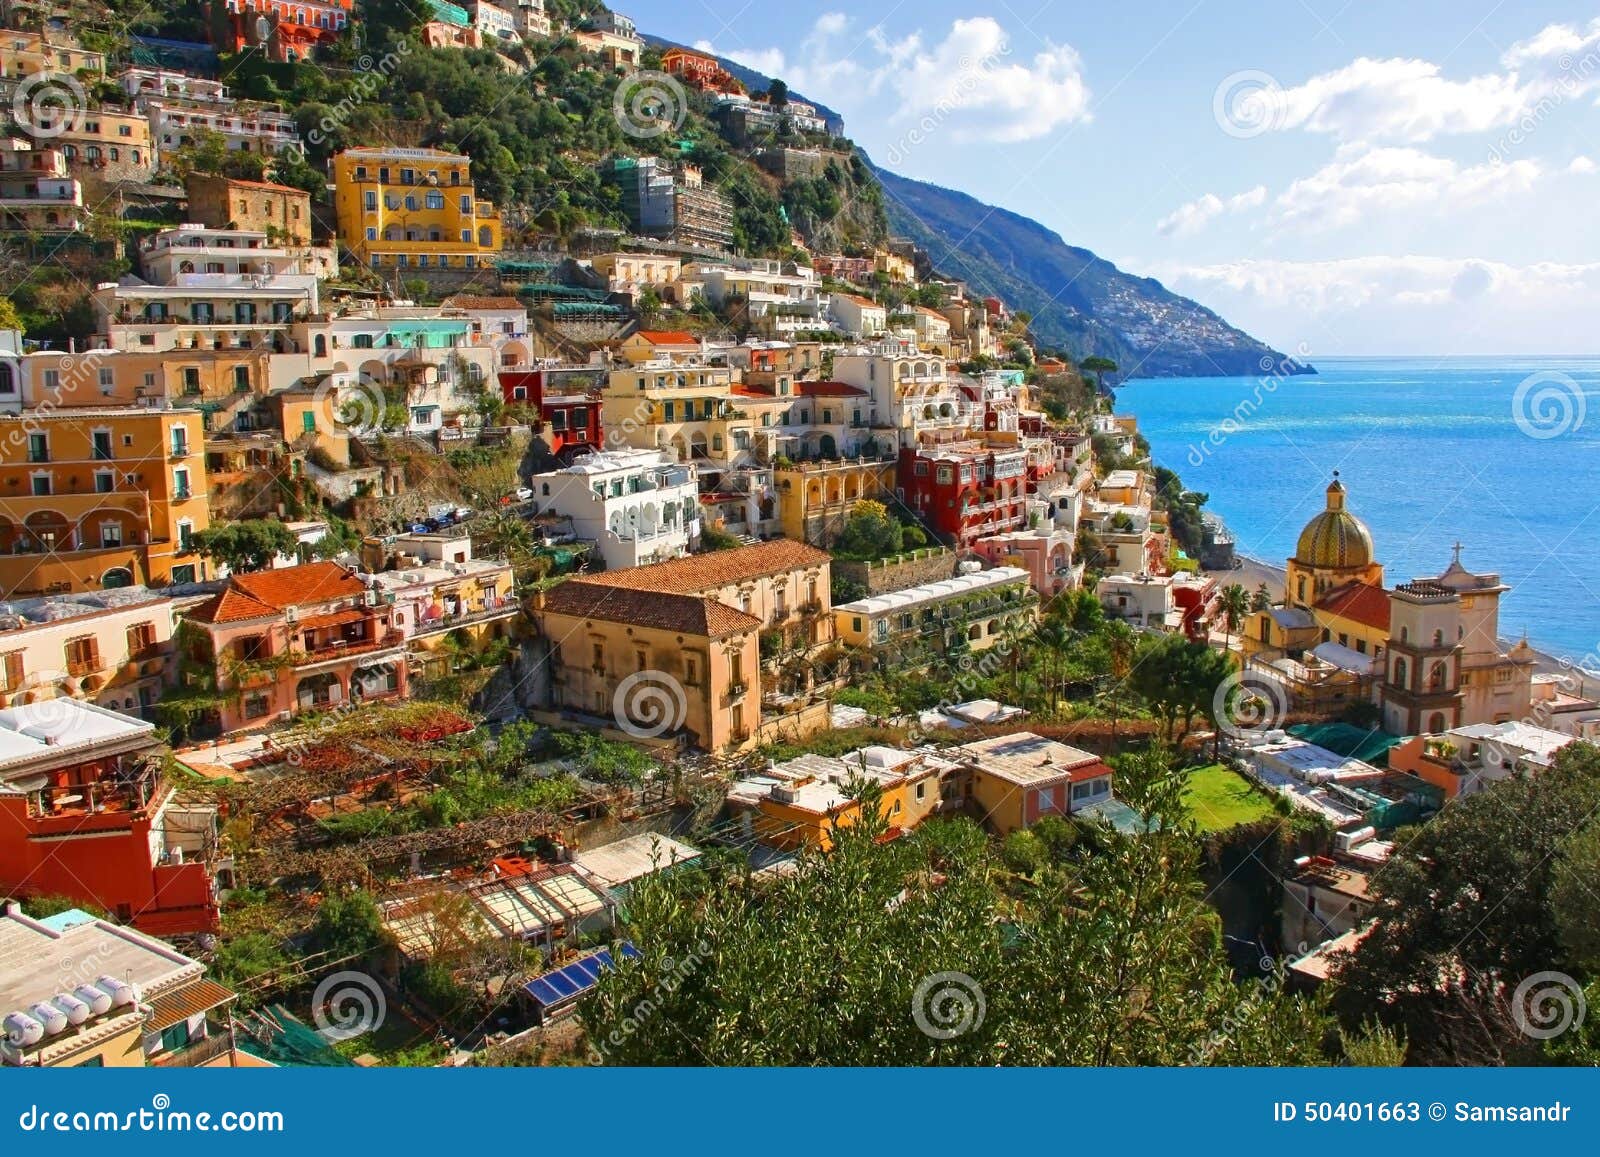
(1501, 454)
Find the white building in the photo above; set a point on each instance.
(858, 315)
(493, 21)
(638, 506)
(532, 19)
(1487, 752)
(180, 107)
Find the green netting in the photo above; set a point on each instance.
(291, 1044)
(1368, 745)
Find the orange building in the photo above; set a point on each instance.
(88, 813)
(100, 497)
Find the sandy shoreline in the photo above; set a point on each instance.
(1252, 572)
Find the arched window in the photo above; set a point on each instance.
(1438, 638)
(8, 381)
(321, 345)
(486, 238)
(1400, 672)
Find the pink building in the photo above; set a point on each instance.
(1045, 553)
(305, 638)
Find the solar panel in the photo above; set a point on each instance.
(573, 980)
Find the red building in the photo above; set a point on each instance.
(700, 70)
(964, 490)
(283, 29)
(86, 812)
(569, 415)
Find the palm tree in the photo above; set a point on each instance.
(1120, 646)
(1235, 604)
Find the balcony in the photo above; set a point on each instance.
(735, 691)
(337, 649)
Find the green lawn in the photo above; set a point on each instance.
(1218, 798)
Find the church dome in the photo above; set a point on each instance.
(1335, 539)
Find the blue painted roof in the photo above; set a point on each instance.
(569, 983)
(71, 918)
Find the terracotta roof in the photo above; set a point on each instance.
(660, 610)
(668, 337)
(470, 301)
(230, 606)
(700, 573)
(252, 596)
(266, 185)
(859, 300)
(828, 390)
(1360, 601)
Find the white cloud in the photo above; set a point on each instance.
(1359, 184)
(1402, 304)
(973, 82)
(1582, 166)
(1411, 101)
(1197, 214)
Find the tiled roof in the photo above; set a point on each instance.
(859, 300)
(252, 596)
(699, 573)
(1360, 601)
(470, 301)
(265, 185)
(828, 390)
(660, 610)
(231, 606)
(668, 337)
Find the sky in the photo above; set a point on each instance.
(1342, 176)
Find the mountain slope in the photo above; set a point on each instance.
(1078, 301)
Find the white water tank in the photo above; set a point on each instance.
(970, 566)
(121, 992)
(53, 1019)
(98, 999)
(23, 1030)
(77, 1012)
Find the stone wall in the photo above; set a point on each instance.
(913, 569)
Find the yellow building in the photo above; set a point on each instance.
(971, 611)
(676, 408)
(650, 666)
(803, 802)
(80, 992)
(25, 54)
(413, 208)
(96, 498)
(815, 499)
(1333, 590)
(1334, 548)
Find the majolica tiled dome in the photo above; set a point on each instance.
(1335, 539)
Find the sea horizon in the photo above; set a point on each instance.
(1495, 452)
